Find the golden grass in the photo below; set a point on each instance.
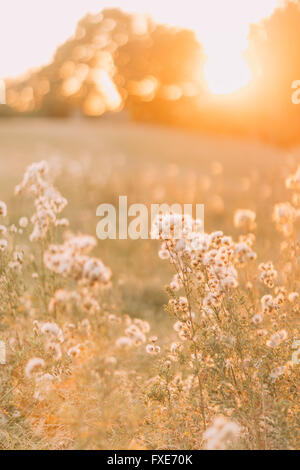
(104, 396)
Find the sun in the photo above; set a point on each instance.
(226, 73)
(224, 38)
(222, 28)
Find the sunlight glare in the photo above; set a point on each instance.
(225, 40)
(227, 73)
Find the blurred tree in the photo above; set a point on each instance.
(163, 73)
(116, 59)
(274, 55)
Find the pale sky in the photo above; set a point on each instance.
(30, 30)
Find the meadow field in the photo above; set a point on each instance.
(93, 360)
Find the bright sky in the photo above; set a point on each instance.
(30, 30)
